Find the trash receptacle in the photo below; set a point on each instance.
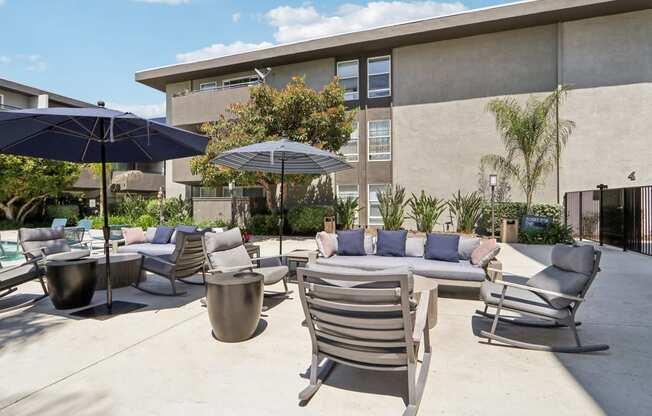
(329, 225)
(509, 231)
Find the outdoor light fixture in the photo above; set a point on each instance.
(493, 181)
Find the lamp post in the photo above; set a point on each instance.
(601, 187)
(493, 181)
(161, 205)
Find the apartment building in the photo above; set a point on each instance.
(145, 178)
(421, 90)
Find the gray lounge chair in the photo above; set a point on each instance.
(59, 222)
(48, 244)
(226, 253)
(552, 296)
(14, 276)
(187, 259)
(365, 320)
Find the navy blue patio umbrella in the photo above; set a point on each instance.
(282, 157)
(95, 135)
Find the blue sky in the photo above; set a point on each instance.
(90, 49)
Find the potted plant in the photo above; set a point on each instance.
(425, 211)
(345, 212)
(392, 207)
(467, 210)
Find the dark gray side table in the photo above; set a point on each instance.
(71, 284)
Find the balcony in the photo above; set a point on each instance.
(123, 181)
(195, 107)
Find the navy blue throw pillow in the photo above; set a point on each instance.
(186, 228)
(162, 235)
(350, 243)
(442, 247)
(391, 243)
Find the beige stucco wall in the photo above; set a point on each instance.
(317, 73)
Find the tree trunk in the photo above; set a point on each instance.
(270, 194)
(8, 210)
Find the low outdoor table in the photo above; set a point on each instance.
(426, 284)
(299, 258)
(125, 270)
(71, 284)
(234, 302)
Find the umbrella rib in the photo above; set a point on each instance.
(61, 129)
(81, 125)
(142, 149)
(29, 137)
(127, 133)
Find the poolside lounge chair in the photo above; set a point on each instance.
(552, 297)
(59, 222)
(48, 244)
(365, 320)
(187, 259)
(226, 253)
(12, 277)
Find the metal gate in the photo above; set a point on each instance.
(618, 217)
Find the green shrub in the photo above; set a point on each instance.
(214, 224)
(516, 210)
(345, 212)
(145, 221)
(426, 210)
(132, 206)
(98, 221)
(263, 224)
(467, 210)
(177, 210)
(63, 211)
(6, 224)
(553, 233)
(391, 203)
(306, 220)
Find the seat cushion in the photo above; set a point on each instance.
(152, 265)
(68, 255)
(273, 274)
(11, 277)
(148, 248)
(391, 243)
(520, 300)
(561, 281)
(33, 239)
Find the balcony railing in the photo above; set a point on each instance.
(5, 107)
(216, 88)
(196, 107)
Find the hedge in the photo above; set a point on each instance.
(71, 212)
(516, 210)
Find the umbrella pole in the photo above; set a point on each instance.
(282, 226)
(105, 230)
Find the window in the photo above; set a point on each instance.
(379, 140)
(241, 81)
(203, 191)
(350, 149)
(348, 73)
(243, 191)
(374, 217)
(208, 86)
(379, 77)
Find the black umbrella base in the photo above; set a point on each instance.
(102, 312)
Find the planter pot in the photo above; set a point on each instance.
(71, 284)
(234, 302)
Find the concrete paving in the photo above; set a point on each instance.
(162, 360)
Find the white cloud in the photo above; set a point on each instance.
(142, 110)
(305, 22)
(236, 17)
(294, 24)
(168, 2)
(220, 49)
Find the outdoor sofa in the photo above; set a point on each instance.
(448, 273)
(151, 248)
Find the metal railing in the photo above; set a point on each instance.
(620, 217)
(217, 88)
(4, 107)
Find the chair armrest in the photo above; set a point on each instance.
(421, 319)
(494, 270)
(537, 290)
(257, 259)
(155, 258)
(230, 269)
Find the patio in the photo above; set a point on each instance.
(162, 359)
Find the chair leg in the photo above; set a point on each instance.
(317, 377)
(175, 292)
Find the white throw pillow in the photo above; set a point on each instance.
(414, 246)
(333, 239)
(369, 244)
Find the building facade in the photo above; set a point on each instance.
(421, 91)
(145, 178)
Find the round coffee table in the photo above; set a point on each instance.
(71, 284)
(125, 270)
(426, 284)
(234, 302)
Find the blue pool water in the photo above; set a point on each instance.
(10, 252)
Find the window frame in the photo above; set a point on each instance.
(389, 73)
(369, 217)
(251, 78)
(201, 85)
(357, 146)
(337, 72)
(389, 121)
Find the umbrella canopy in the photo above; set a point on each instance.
(75, 135)
(282, 156)
(266, 157)
(92, 135)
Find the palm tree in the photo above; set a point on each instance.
(533, 137)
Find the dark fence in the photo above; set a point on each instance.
(619, 217)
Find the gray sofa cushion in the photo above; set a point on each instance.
(520, 299)
(577, 259)
(391, 243)
(561, 281)
(223, 241)
(466, 247)
(461, 271)
(148, 248)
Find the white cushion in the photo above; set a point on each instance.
(149, 235)
(414, 246)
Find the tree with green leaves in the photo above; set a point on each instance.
(26, 182)
(317, 118)
(533, 137)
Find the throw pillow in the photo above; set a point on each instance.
(414, 246)
(561, 281)
(184, 228)
(369, 244)
(350, 243)
(150, 233)
(577, 259)
(485, 252)
(163, 234)
(466, 247)
(326, 243)
(133, 235)
(442, 247)
(391, 243)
